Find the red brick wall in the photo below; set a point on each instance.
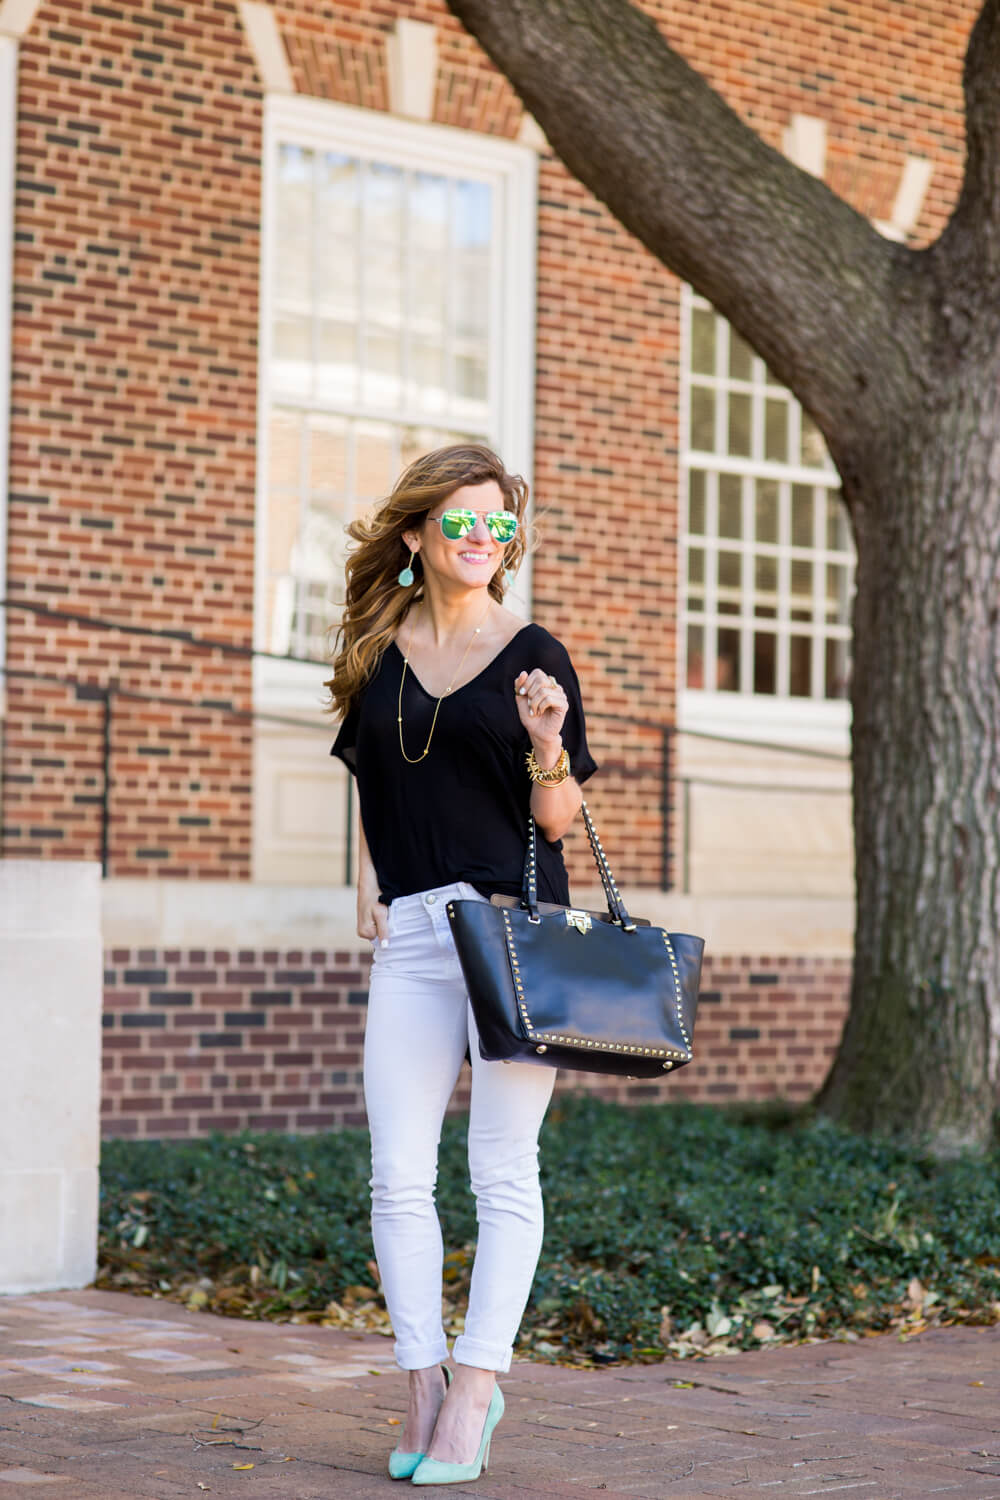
(199, 1041)
(134, 375)
(133, 427)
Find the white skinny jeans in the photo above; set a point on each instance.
(419, 1024)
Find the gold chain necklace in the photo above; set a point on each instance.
(415, 760)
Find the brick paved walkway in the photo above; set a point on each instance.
(110, 1397)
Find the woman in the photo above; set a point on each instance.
(458, 719)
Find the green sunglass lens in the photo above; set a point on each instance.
(457, 523)
(502, 525)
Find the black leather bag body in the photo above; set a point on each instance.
(599, 992)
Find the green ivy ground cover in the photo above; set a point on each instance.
(669, 1230)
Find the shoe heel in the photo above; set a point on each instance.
(486, 1455)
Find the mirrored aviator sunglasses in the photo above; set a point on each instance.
(457, 523)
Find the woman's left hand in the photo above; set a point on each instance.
(541, 705)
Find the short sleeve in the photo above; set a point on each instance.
(346, 744)
(554, 658)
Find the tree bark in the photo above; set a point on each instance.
(920, 1052)
(896, 354)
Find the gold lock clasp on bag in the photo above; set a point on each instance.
(579, 919)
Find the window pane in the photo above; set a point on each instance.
(328, 457)
(730, 582)
(837, 534)
(375, 459)
(472, 226)
(294, 236)
(338, 286)
(730, 506)
(427, 374)
(696, 502)
(380, 381)
(384, 283)
(837, 594)
(702, 341)
(702, 419)
(776, 431)
(284, 451)
(764, 659)
(802, 515)
(336, 368)
(291, 363)
(470, 298)
(813, 446)
(740, 425)
(337, 193)
(802, 586)
(727, 670)
(766, 510)
(383, 203)
(837, 669)
(696, 566)
(695, 656)
(740, 358)
(471, 385)
(766, 586)
(428, 209)
(800, 666)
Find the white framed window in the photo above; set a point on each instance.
(397, 314)
(767, 565)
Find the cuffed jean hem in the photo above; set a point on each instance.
(421, 1356)
(468, 1352)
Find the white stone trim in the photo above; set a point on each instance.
(16, 16)
(268, 49)
(916, 179)
(909, 201)
(221, 914)
(530, 133)
(804, 143)
(809, 723)
(411, 54)
(50, 1073)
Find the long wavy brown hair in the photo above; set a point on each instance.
(376, 603)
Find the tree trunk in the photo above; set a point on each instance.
(920, 1053)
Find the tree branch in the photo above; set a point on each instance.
(973, 232)
(807, 280)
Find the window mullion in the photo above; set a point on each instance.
(711, 581)
(781, 666)
(407, 301)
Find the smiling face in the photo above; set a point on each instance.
(471, 561)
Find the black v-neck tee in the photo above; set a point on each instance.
(462, 812)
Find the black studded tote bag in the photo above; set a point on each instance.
(600, 992)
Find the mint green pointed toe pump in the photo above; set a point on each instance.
(402, 1465)
(436, 1471)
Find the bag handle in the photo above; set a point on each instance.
(529, 886)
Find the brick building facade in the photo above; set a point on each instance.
(226, 224)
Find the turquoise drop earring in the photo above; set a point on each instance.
(406, 576)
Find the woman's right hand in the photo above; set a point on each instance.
(373, 915)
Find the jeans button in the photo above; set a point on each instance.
(430, 899)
